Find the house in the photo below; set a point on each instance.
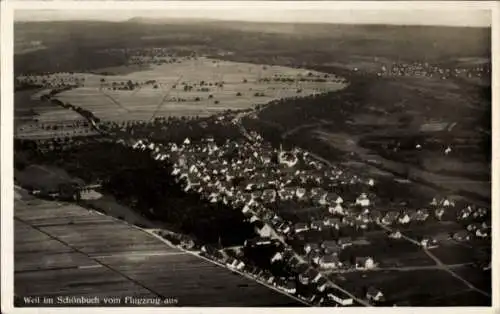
(404, 219)
(434, 202)
(429, 243)
(284, 228)
(258, 241)
(301, 227)
(364, 218)
(439, 212)
(329, 261)
(316, 191)
(373, 294)
(332, 222)
(481, 233)
(307, 276)
(255, 220)
(464, 213)
(211, 252)
(337, 209)
(317, 277)
(317, 225)
(232, 263)
(480, 212)
(390, 218)
(462, 235)
(288, 159)
(314, 257)
(395, 235)
(277, 257)
(311, 247)
(363, 200)
(448, 203)
(308, 295)
(265, 231)
(286, 193)
(473, 227)
(322, 284)
(422, 215)
(288, 286)
(269, 278)
(340, 298)
(344, 242)
(300, 193)
(331, 198)
(268, 195)
(365, 263)
(240, 266)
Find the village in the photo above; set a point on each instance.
(302, 225)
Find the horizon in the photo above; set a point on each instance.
(479, 18)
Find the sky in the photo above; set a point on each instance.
(267, 13)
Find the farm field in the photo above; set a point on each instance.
(58, 251)
(195, 92)
(36, 119)
(412, 288)
(347, 143)
(29, 109)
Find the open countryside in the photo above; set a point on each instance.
(305, 166)
(192, 87)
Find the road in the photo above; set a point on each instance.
(304, 126)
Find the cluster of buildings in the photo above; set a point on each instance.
(418, 69)
(477, 221)
(253, 176)
(52, 80)
(269, 185)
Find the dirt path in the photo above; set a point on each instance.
(304, 126)
(439, 263)
(404, 268)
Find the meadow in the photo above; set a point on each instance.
(188, 87)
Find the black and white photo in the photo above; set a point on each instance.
(250, 154)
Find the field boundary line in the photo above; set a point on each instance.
(90, 257)
(438, 262)
(193, 253)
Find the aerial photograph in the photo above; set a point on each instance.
(252, 157)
